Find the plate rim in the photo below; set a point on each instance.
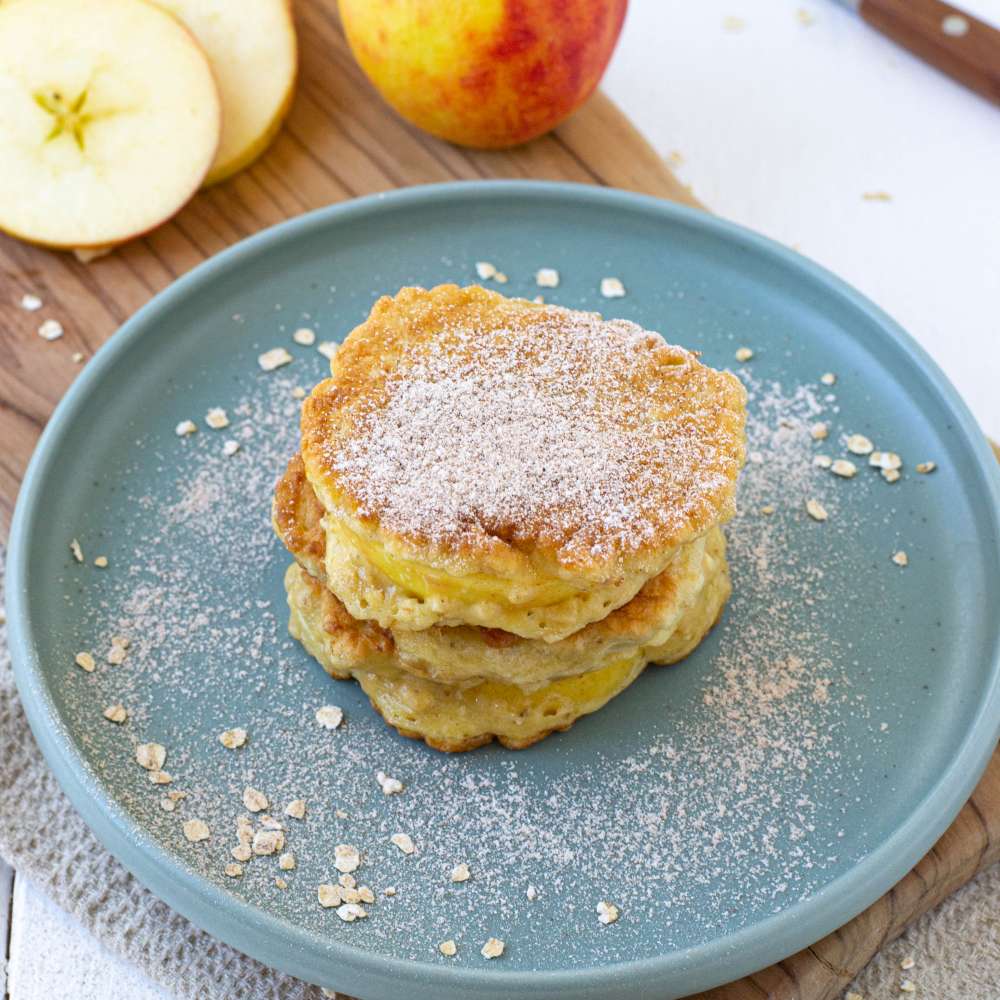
(297, 951)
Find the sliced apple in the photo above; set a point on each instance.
(109, 118)
(254, 54)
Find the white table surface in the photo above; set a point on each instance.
(782, 127)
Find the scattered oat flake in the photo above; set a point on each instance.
(185, 427)
(101, 562)
(900, 558)
(296, 808)
(743, 354)
(232, 739)
(329, 716)
(767, 509)
(30, 303)
(298, 392)
(340, 814)
(254, 800)
(532, 893)
(403, 842)
(117, 654)
(447, 948)
(890, 475)
(816, 510)
(844, 468)
(877, 196)
(349, 912)
(611, 288)
(304, 336)
(217, 418)
(908, 963)
(76, 357)
(389, 786)
(74, 547)
(347, 881)
(828, 378)
(907, 986)
(500, 278)
(883, 727)
(280, 882)
(286, 862)
(274, 358)
(858, 444)
(242, 852)
(196, 830)
(115, 713)
(230, 447)
(885, 460)
(822, 461)
(233, 870)
(169, 801)
(607, 913)
(547, 277)
(460, 873)
(85, 662)
(268, 842)
(366, 895)
(51, 329)
(328, 895)
(346, 858)
(151, 756)
(492, 949)
(270, 823)
(328, 348)
(160, 778)
(819, 431)
(925, 468)
(389, 890)
(485, 270)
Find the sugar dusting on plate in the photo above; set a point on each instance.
(707, 815)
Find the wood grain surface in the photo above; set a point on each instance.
(340, 141)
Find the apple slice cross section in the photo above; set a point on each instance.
(253, 52)
(110, 119)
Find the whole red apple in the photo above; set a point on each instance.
(484, 73)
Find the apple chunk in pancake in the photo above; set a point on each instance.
(110, 119)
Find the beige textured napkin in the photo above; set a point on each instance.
(956, 948)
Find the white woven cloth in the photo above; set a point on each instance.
(956, 948)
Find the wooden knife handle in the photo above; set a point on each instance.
(955, 42)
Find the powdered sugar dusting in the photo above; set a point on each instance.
(591, 433)
(707, 796)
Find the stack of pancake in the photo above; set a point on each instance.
(502, 511)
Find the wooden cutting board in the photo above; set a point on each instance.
(340, 141)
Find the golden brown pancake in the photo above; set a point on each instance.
(464, 655)
(458, 718)
(494, 462)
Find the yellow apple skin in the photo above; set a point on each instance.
(484, 73)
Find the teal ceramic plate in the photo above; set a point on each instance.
(735, 807)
